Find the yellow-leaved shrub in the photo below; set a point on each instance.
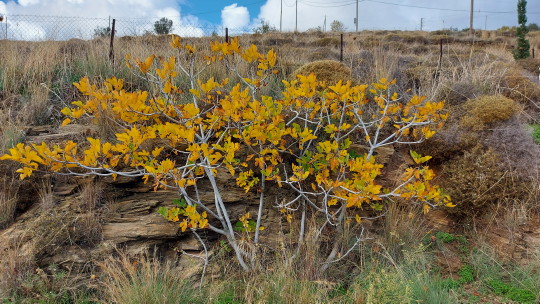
(300, 141)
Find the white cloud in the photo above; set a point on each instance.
(3, 9)
(30, 32)
(234, 16)
(28, 2)
(134, 17)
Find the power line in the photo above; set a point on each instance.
(316, 4)
(446, 9)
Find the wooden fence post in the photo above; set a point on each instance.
(111, 48)
(227, 35)
(341, 49)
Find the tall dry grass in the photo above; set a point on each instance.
(9, 188)
(143, 279)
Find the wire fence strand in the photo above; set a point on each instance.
(58, 28)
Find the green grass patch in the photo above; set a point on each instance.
(519, 295)
(536, 133)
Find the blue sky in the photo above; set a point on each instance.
(247, 14)
(211, 9)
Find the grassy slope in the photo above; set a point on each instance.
(405, 261)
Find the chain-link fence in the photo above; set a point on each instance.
(41, 28)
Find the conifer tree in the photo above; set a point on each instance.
(522, 45)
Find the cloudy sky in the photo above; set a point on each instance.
(247, 14)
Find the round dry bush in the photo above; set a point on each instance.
(329, 71)
(488, 110)
(520, 87)
(459, 92)
(530, 64)
(478, 180)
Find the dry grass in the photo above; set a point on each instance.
(21, 281)
(9, 188)
(11, 131)
(15, 266)
(46, 195)
(142, 279)
(90, 220)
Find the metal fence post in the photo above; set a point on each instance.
(227, 35)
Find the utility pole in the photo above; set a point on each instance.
(485, 24)
(324, 25)
(471, 18)
(356, 20)
(281, 16)
(421, 24)
(296, 25)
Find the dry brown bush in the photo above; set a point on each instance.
(326, 70)
(530, 64)
(522, 89)
(327, 41)
(515, 146)
(459, 92)
(485, 111)
(478, 181)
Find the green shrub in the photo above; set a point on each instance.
(536, 133)
(466, 274)
(445, 237)
(519, 295)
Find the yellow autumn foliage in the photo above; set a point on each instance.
(311, 122)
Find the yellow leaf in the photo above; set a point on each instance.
(190, 110)
(289, 218)
(155, 152)
(183, 225)
(197, 93)
(332, 202)
(167, 88)
(426, 208)
(66, 122)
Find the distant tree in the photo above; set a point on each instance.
(265, 27)
(533, 27)
(163, 26)
(102, 31)
(337, 26)
(522, 45)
